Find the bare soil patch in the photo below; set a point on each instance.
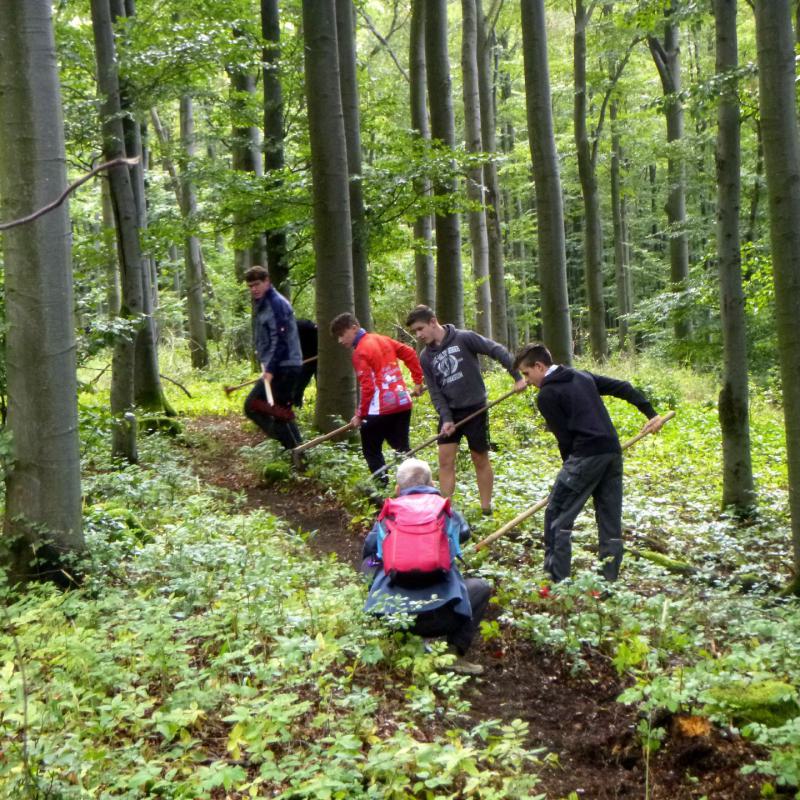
(575, 717)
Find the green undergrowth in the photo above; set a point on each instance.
(209, 654)
(697, 622)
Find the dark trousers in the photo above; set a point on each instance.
(283, 387)
(379, 428)
(582, 477)
(458, 629)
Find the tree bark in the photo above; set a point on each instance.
(472, 133)
(556, 324)
(666, 56)
(126, 215)
(734, 402)
(776, 84)
(274, 160)
(423, 258)
(345, 36)
(43, 487)
(193, 256)
(497, 279)
(334, 281)
(449, 282)
(110, 255)
(622, 267)
(593, 226)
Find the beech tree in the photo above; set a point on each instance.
(556, 323)
(734, 405)
(43, 489)
(348, 78)
(423, 260)
(334, 273)
(472, 134)
(449, 281)
(776, 91)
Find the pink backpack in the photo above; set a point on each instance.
(413, 540)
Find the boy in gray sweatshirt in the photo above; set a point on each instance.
(453, 376)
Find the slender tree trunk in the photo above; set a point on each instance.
(274, 161)
(622, 268)
(593, 226)
(776, 84)
(556, 324)
(345, 35)
(334, 284)
(449, 282)
(245, 157)
(110, 255)
(666, 56)
(126, 215)
(423, 258)
(758, 179)
(497, 280)
(195, 306)
(472, 133)
(43, 490)
(734, 413)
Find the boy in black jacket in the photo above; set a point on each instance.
(570, 403)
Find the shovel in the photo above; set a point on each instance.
(542, 503)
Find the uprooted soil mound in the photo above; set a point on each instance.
(575, 717)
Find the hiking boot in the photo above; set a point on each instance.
(463, 667)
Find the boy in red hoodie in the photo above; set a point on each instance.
(384, 408)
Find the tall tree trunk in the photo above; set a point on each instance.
(147, 391)
(734, 411)
(126, 215)
(622, 267)
(776, 85)
(423, 258)
(449, 282)
(593, 227)
(758, 179)
(556, 324)
(245, 157)
(472, 133)
(43, 489)
(193, 256)
(497, 280)
(666, 56)
(110, 256)
(334, 283)
(345, 36)
(277, 258)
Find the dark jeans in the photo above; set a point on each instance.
(379, 428)
(582, 477)
(283, 387)
(458, 629)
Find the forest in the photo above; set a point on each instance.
(181, 590)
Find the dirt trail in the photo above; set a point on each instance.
(577, 718)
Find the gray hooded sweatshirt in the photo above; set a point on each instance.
(453, 373)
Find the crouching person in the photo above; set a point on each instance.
(412, 549)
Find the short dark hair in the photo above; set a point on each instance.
(420, 314)
(256, 273)
(341, 322)
(529, 354)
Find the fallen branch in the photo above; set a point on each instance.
(179, 385)
(117, 162)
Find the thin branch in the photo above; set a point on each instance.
(117, 162)
(383, 41)
(172, 380)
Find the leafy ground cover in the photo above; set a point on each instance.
(217, 647)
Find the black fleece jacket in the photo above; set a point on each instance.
(570, 402)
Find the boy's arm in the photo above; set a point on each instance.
(481, 345)
(408, 355)
(366, 381)
(625, 391)
(437, 398)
